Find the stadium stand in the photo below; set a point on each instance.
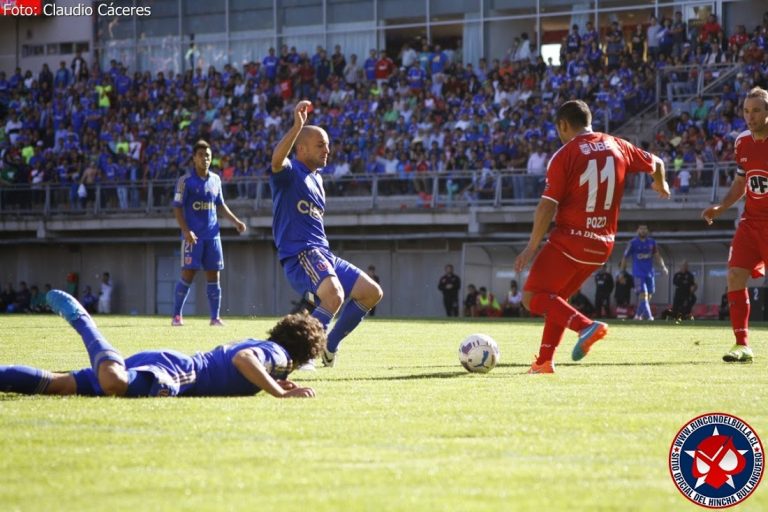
(423, 132)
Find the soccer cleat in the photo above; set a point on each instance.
(545, 367)
(739, 354)
(329, 358)
(216, 322)
(65, 305)
(306, 305)
(177, 321)
(309, 366)
(588, 337)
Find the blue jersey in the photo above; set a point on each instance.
(217, 376)
(642, 253)
(206, 373)
(198, 198)
(298, 205)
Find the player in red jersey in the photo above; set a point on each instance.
(585, 184)
(749, 249)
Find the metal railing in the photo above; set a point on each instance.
(380, 192)
(722, 74)
(668, 80)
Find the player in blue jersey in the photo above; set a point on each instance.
(196, 201)
(239, 368)
(298, 205)
(643, 250)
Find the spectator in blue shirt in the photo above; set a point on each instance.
(270, 64)
(370, 66)
(61, 80)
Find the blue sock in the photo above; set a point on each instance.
(351, 316)
(213, 290)
(180, 296)
(323, 315)
(98, 347)
(648, 311)
(24, 379)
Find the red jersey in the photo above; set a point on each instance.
(384, 68)
(751, 156)
(585, 178)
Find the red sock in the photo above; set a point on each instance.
(738, 301)
(558, 311)
(550, 339)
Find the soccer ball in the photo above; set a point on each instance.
(479, 353)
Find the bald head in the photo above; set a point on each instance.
(308, 133)
(312, 147)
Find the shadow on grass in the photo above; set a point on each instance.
(459, 373)
(650, 363)
(436, 375)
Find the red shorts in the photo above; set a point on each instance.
(749, 248)
(554, 272)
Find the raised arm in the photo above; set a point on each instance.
(284, 147)
(251, 368)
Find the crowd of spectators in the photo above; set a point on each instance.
(425, 110)
(31, 299)
(24, 299)
(702, 134)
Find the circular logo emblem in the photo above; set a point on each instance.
(757, 183)
(716, 460)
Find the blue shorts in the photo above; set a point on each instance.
(645, 284)
(204, 255)
(308, 269)
(161, 373)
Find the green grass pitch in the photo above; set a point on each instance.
(397, 425)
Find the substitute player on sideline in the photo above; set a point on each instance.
(239, 368)
(584, 187)
(643, 250)
(197, 198)
(749, 248)
(298, 206)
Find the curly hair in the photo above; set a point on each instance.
(301, 335)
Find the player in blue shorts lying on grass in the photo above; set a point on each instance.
(237, 369)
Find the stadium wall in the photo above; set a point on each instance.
(144, 273)
(252, 281)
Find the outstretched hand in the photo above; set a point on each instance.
(286, 384)
(298, 392)
(300, 113)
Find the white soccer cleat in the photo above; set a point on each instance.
(309, 366)
(739, 354)
(329, 358)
